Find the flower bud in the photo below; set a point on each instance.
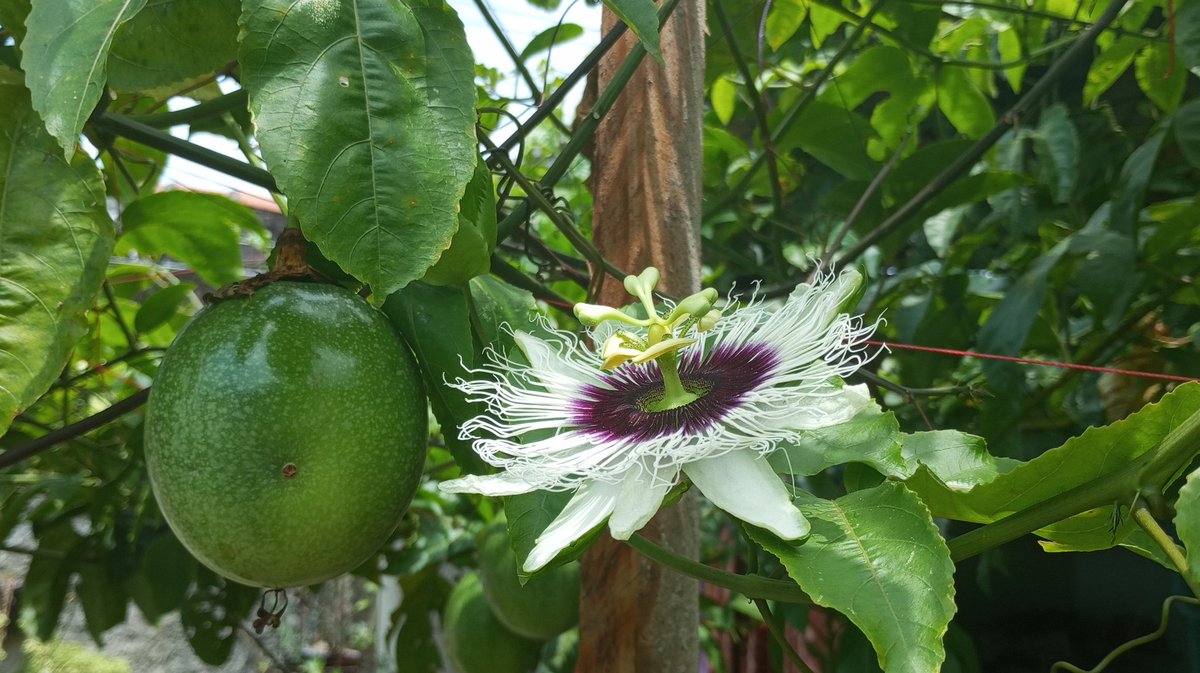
(709, 321)
(594, 314)
(697, 304)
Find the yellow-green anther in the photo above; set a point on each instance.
(617, 350)
(594, 314)
(657, 333)
(661, 348)
(697, 304)
(709, 321)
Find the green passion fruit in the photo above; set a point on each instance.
(286, 434)
(544, 607)
(475, 641)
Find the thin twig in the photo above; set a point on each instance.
(115, 411)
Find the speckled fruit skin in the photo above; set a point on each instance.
(475, 641)
(544, 607)
(286, 434)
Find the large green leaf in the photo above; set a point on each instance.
(872, 438)
(956, 460)
(1093, 454)
(64, 56)
(55, 240)
(365, 113)
(436, 323)
(1108, 67)
(1186, 125)
(211, 613)
(1187, 521)
(963, 103)
(784, 19)
(1158, 77)
(470, 251)
(1057, 144)
(876, 556)
(642, 18)
(836, 137)
(425, 595)
(200, 230)
(550, 38)
(171, 41)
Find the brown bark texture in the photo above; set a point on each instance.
(637, 616)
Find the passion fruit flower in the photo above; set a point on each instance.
(688, 391)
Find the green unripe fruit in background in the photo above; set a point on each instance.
(286, 434)
(476, 642)
(544, 607)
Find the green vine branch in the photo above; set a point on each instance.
(585, 129)
(1163, 624)
(1150, 472)
(751, 586)
(1147, 522)
(127, 127)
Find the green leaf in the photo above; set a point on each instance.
(56, 239)
(1009, 44)
(64, 55)
(48, 578)
(967, 108)
(1187, 521)
(162, 580)
(365, 114)
(436, 323)
(425, 595)
(200, 230)
(212, 612)
(642, 18)
(1008, 326)
(497, 304)
(1160, 80)
(1057, 143)
(172, 41)
(529, 514)
(876, 556)
(1186, 126)
(957, 461)
(723, 94)
(1108, 67)
(1131, 185)
(784, 19)
(161, 306)
(1097, 452)
(551, 37)
(102, 597)
(872, 438)
(470, 251)
(1187, 34)
(836, 137)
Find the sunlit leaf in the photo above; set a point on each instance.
(872, 438)
(365, 114)
(1161, 80)
(65, 53)
(723, 95)
(200, 230)
(876, 556)
(967, 108)
(57, 237)
(1187, 521)
(642, 18)
(784, 19)
(551, 37)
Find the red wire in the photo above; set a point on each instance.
(1042, 363)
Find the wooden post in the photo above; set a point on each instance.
(647, 162)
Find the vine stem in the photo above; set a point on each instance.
(1163, 623)
(1146, 520)
(749, 586)
(118, 409)
(585, 130)
(1150, 472)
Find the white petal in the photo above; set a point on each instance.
(543, 357)
(592, 503)
(503, 483)
(641, 495)
(741, 483)
(830, 407)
